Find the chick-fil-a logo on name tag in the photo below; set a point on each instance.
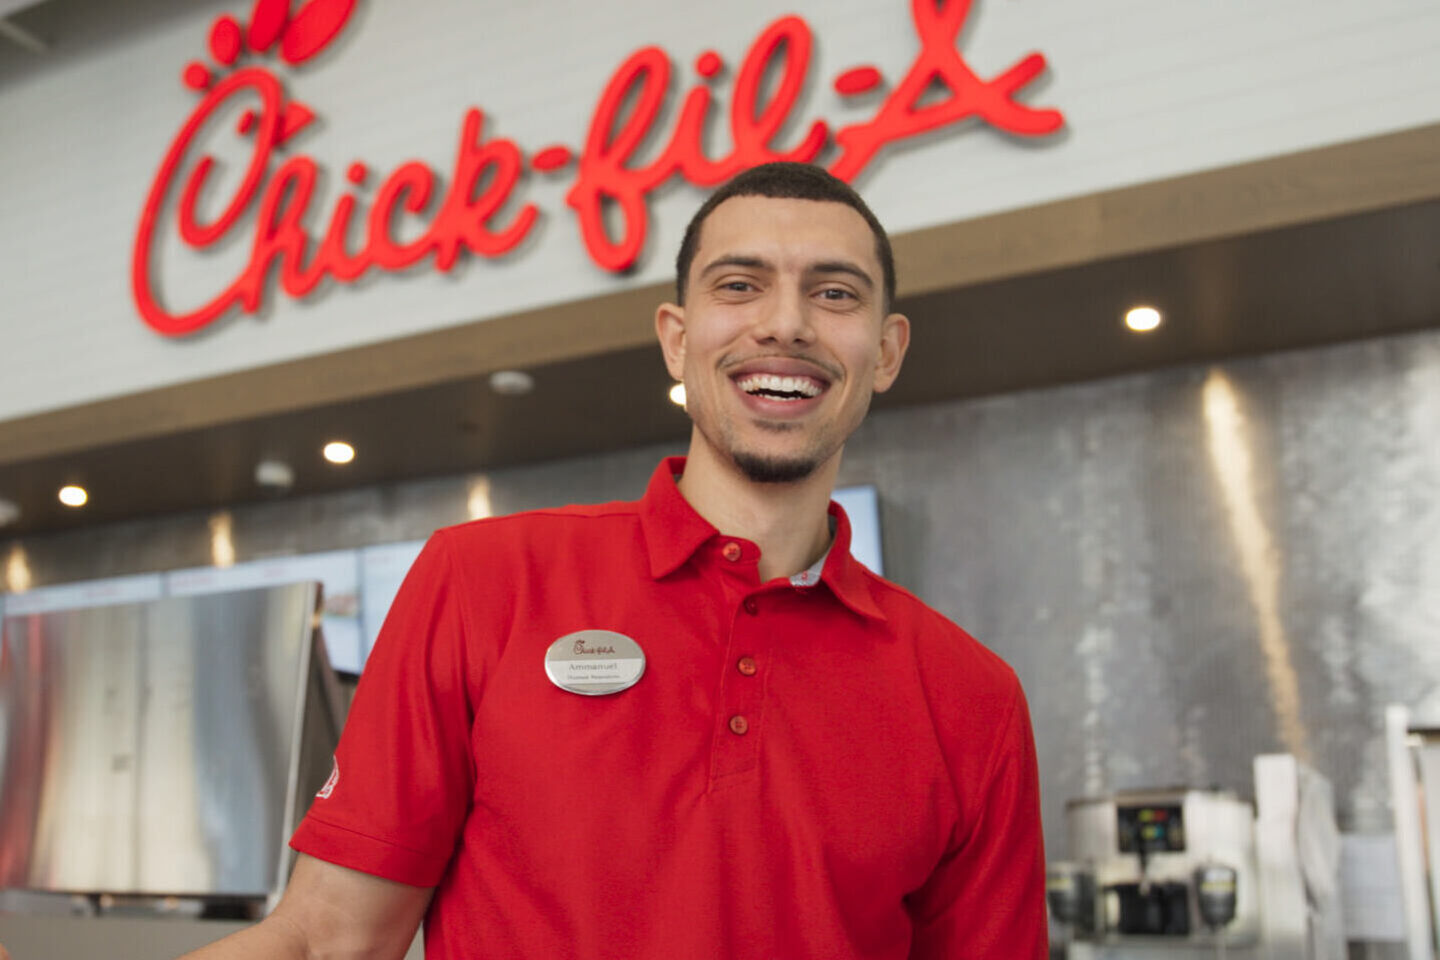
(278, 185)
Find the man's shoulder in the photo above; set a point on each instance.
(547, 525)
(944, 650)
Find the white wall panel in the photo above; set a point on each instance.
(1149, 89)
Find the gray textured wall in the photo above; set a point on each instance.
(1186, 567)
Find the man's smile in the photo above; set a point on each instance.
(780, 387)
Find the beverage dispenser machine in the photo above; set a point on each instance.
(1156, 874)
(1155, 870)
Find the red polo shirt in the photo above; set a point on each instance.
(830, 771)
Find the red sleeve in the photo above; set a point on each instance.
(403, 770)
(986, 898)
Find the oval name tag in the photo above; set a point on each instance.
(594, 662)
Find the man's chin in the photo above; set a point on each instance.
(759, 468)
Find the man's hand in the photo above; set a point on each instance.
(329, 910)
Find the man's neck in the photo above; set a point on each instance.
(787, 521)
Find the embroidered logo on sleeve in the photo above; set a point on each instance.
(329, 787)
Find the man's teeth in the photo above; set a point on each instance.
(796, 387)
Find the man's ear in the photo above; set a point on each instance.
(894, 341)
(670, 331)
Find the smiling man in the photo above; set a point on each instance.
(691, 726)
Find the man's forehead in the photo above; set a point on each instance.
(786, 230)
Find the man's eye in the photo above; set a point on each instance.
(835, 293)
(738, 286)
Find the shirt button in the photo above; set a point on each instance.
(752, 606)
(738, 725)
(731, 551)
(747, 666)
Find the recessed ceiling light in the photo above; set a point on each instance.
(275, 474)
(1142, 319)
(511, 383)
(9, 512)
(677, 394)
(338, 451)
(73, 496)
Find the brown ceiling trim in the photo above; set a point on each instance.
(1328, 182)
(1356, 177)
(547, 335)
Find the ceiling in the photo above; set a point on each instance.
(8, 7)
(14, 32)
(1346, 278)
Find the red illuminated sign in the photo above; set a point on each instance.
(279, 186)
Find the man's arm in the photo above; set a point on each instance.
(374, 846)
(330, 911)
(986, 898)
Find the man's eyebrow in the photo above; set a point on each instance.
(843, 266)
(737, 260)
(759, 263)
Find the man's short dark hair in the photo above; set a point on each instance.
(785, 181)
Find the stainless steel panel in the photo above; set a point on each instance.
(152, 748)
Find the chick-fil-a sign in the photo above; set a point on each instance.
(279, 186)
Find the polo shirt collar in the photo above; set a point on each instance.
(845, 575)
(673, 531)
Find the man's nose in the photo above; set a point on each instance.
(786, 321)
